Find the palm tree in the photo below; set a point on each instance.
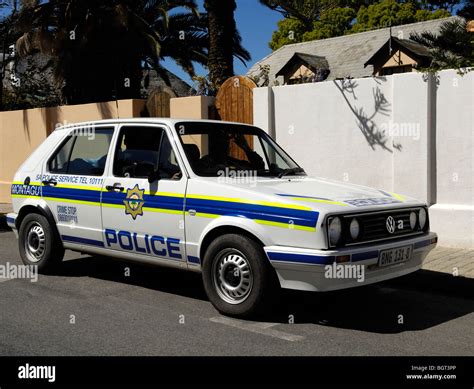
(196, 42)
(185, 40)
(98, 48)
(5, 32)
(452, 48)
(224, 40)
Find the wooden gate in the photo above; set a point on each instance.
(234, 103)
(158, 103)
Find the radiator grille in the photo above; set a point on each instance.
(373, 226)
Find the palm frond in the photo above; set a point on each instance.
(452, 47)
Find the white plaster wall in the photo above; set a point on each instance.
(453, 215)
(410, 169)
(345, 130)
(261, 109)
(317, 125)
(406, 150)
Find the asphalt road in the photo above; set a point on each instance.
(92, 308)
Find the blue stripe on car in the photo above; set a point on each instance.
(317, 259)
(150, 201)
(72, 194)
(364, 256)
(217, 207)
(300, 258)
(302, 197)
(254, 211)
(76, 239)
(193, 259)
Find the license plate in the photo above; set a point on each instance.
(394, 256)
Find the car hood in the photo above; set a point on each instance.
(319, 193)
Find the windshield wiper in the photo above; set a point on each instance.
(287, 172)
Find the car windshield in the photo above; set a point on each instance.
(215, 149)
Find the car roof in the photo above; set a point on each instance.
(166, 121)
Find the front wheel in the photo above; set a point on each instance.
(238, 279)
(39, 244)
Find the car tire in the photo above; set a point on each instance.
(39, 243)
(238, 279)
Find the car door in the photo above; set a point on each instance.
(72, 180)
(143, 196)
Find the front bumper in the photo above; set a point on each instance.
(11, 219)
(322, 270)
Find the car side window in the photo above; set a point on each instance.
(143, 151)
(58, 164)
(81, 154)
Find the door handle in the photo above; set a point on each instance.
(115, 188)
(49, 183)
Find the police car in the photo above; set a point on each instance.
(218, 198)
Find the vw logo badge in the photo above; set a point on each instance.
(390, 224)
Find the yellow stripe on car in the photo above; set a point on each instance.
(72, 201)
(164, 194)
(397, 196)
(312, 200)
(288, 226)
(207, 215)
(63, 186)
(23, 196)
(162, 210)
(82, 187)
(254, 202)
(22, 183)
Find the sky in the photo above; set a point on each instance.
(255, 23)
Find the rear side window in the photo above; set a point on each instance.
(83, 153)
(58, 164)
(142, 151)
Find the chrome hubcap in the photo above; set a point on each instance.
(35, 244)
(232, 276)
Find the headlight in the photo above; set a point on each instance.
(354, 229)
(412, 220)
(422, 218)
(335, 230)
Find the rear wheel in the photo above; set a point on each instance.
(39, 244)
(237, 277)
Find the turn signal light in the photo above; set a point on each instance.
(343, 258)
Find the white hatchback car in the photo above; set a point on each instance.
(213, 197)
